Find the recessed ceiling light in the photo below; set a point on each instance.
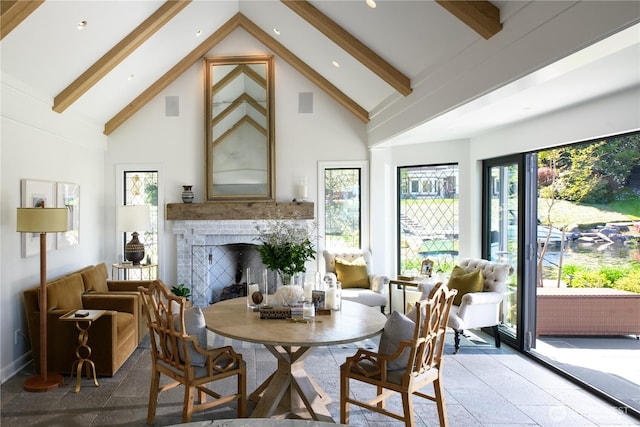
(336, 64)
(277, 31)
(198, 33)
(81, 25)
(371, 3)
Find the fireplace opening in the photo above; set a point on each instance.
(219, 271)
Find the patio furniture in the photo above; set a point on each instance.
(587, 311)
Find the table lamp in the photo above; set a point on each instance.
(134, 218)
(42, 220)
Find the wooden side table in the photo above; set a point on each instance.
(124, 271)
(83, 351)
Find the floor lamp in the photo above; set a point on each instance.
(42, 220)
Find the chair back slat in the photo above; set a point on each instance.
(162, 310)
(429, 334)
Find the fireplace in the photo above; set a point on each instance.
(214, 254)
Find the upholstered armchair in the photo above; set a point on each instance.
(352, 267)
(482, 288)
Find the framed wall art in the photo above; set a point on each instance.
(68, 196)
(34, 194)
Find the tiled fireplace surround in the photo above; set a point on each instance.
(194, 234)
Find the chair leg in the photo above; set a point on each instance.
(407, 406)
(187, 406)
(382, 307)
(456, 340)
(442, 409)
(153, 396)
(344, 394)
(242, 391)
(496, 335)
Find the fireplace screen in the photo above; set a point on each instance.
(219, 271)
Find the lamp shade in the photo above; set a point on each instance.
(134, 218)
(42, 220)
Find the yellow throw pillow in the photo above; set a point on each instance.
(465, 283)
(352, 274)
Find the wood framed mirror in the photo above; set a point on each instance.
(239, 118)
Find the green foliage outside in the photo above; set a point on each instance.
(593, 173)
(625, 278)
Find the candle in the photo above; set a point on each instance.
(308, 311)
(308, 287)
(330, 301)
(301, 188)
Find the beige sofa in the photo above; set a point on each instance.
(112, 338)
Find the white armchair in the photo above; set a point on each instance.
(479, 309)
(370, 290)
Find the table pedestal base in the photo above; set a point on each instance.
(290, 392)
(83, 352)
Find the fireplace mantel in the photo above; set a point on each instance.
(239, 210)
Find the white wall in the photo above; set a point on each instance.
(176, 144)
(38, 144)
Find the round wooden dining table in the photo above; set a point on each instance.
(290, 392)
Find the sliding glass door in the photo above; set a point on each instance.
(504, 217)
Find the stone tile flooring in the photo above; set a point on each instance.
(484, 386)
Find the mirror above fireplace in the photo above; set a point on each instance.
(239, 145)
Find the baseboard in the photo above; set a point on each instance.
(14, 367)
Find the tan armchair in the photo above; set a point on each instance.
(352, 267)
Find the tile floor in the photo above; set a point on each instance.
(484, 387)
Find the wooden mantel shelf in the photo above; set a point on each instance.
(239, 210)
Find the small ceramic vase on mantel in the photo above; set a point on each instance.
(187, 194)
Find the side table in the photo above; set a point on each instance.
(83, 351)
(404, 283)
(124, 271)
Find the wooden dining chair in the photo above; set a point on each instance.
(179, 351)
(406, 366)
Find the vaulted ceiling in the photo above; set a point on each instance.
(129, 51)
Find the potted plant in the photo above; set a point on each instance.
(286, 245)
(181, 290)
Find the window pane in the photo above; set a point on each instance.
(342, 208)
(428, 215)
(141, 188)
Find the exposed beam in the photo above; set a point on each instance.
(117, 54)
(351, 45)
(238, 20)
(303, 68)
(175, 72)
(12, 13)
(481, 15)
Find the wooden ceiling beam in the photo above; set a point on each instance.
(175, 72)
(481, 15)
(238, 20)
(117, 54)
(351, 45)
(304, 69)
(12, 13)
